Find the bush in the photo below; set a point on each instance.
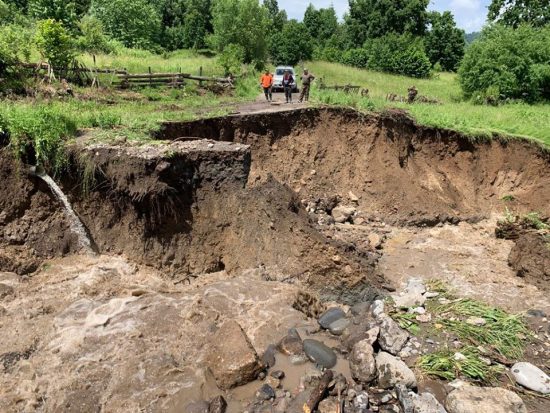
(399, 54)
(355, 57)
(292, 45)
(329, 54)
(510, 63)
(93, 38)
(15, 42)
(55, 44)
(231, 59)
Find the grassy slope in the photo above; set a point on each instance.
(518, 119)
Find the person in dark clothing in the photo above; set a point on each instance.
(288, 80)
(307, 78)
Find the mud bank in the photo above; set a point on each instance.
(400, 171)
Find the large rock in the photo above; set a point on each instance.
(362, 363)
(392, 371)
(470, 399)
(531, 377)
(391, 338)
(319, 353)
(231, 358)
(427, 403)
(343, 213)
(291, 344)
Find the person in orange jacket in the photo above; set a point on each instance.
(266, 82)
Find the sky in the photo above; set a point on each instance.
(469, 14)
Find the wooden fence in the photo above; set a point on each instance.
(124, 79)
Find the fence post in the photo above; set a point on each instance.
(150, 78)
(200, 74)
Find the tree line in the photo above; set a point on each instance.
(396, 36)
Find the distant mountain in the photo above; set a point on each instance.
(470, 37)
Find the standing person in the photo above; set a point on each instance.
(307, 78)
(288, 80)
(267, 84)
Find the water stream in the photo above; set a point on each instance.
(76, 224)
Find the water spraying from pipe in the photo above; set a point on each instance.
(76, 225)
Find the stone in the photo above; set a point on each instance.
(298, 359)
(471, 399)
(362, 363)
(372, 335)
(217, 405)
(338, 327)
(405, 398)
(273, 382)
(431, 294)
(197, 407)
(531, 377)
(330, 316)
(360, 308)
(412, 295)
(319, 353)
(361, 401)
(427, 403)
(278, 374)
(231, 358)
(343, 213)
(392, 338)
(329, 405)
(268, 358)
(392, 371)
(377, 309)
(353, 197)
(424, 318)
(419, 310)
(375, 240)
(476, 321)
(266, 392)
(291, 344)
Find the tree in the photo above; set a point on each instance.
(67, 12)
(55, 44)
(135, 23)
(369, 19)
(277, 18)
(292, 45)
(93, 39)
(240, 22)
(321, 24)
(508, 63)
(515, 12)
(444, 42)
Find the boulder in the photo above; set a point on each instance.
(470, 399)
(291, 344)
(531, 377)
(231, 358)
(392, 338)
(319, 353)
(405, 398)
(343, 213)
(362, 362)
(392, 371)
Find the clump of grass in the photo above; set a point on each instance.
(446, 365)
(534, 220)
(503, 334)
(508, 198)
(406, 321)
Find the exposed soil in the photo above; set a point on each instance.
(213, 225)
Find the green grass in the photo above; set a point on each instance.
(514, 119)
(446, 365)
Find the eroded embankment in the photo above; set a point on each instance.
(183, 207)
(402, 172)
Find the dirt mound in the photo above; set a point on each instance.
(399, 170)
(530, 257)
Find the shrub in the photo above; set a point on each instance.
(15, 43)
(514, 62)
(93, 38)
(231, 59)
(329, 54)
(55, 44)
(400, 54)
(355, 57)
